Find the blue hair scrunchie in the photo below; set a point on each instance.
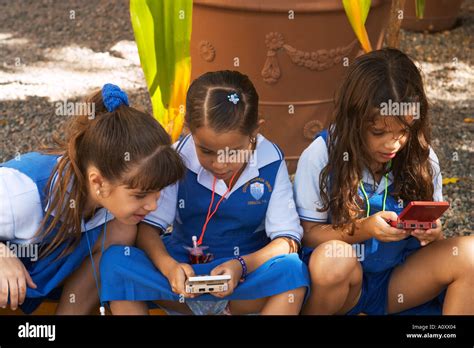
(113, 97)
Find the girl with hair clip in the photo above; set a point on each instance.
(241, 212)
(360, 173)
(108, 171)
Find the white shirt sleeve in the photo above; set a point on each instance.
(437, 177)
(282, 219)
(165, 213)
(306, 187)
(20, 206)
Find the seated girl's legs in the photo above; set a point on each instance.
(285, 300)
(79, 294)
(240, 307)
(447, 263)
(128, 308)
(286, 303)
(141, 308)
(336, 280)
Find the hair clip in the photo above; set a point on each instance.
(233, 98)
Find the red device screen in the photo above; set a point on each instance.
(423, 211)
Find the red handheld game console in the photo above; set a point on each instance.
(420, 215)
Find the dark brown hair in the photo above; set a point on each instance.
(207, 102)
(127, 146)
(371, 80)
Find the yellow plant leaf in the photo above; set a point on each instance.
(357, 11)
(450, 180)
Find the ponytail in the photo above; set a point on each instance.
(127, 146)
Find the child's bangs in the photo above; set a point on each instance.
(409, 122)
(162, 169)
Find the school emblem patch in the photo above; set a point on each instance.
(256, 190)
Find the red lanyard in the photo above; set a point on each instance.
(209, 214)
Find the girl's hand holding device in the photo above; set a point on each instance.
(383, 225)
(423, 217)
(377, 227)
(177, 275)
(427, 236)
(232, 268)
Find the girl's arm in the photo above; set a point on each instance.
(374, 226)
(149, 231)
(149, 240)
(278, 246)
(317, 233)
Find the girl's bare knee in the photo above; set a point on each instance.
(462, 249)
(332, 263)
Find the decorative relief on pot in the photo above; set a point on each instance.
(207, 51)
(317, 60)
(312, 128)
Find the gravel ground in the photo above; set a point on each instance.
(56, 50)
(446, 59)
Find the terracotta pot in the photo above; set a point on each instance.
(439, 15)
(295, 64)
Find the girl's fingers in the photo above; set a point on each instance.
(4, 293)
(392, 230)
(182, 292)
(388, 215)
(218, 271)
(223, 294)
(29, 280)
(13, 286)
(21, 290)
(179, 288)
(188, 270)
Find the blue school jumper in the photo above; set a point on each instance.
(380, 259)
(131, 275)
(48, 272)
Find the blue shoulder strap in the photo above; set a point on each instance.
(323, 134)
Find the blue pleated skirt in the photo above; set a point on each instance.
(48, 273)
(128, 274)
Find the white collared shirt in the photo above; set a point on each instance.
(306, 187)
(281, 216)
(21, 212)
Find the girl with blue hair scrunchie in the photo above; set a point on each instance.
(113, 97)
(75, 200)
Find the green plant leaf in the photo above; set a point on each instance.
(420, 8)
(162, 31)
